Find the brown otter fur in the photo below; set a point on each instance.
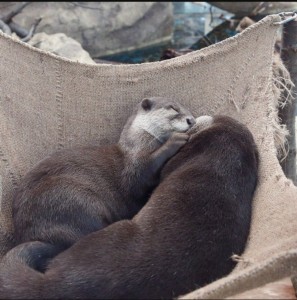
(77, 191)
(183, 238)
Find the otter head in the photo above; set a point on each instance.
(160, 117)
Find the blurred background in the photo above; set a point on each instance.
(129, 32)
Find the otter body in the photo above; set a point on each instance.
(183, 238)
(77, 191)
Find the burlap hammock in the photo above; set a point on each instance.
(47, 103)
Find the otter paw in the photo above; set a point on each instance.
(178, 139)
(170, 148)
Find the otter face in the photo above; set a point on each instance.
(179, 117)
(161, 116)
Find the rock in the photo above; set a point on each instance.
(61, 45)
(103, 28)
(244, 23)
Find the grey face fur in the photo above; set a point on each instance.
(160, 117)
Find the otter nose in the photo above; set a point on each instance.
(191, 121)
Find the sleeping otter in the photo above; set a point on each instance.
(183, 238)
(77, 191)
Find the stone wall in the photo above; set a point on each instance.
(102, 28)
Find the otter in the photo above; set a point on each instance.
(77, 191)
(183, 238)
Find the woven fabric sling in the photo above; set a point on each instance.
(48, 103)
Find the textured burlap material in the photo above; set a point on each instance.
(48, 103)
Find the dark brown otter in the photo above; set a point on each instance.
(183, 238)
(74, 192)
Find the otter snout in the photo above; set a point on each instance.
(183, 123)
(191, 121)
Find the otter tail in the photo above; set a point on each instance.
(20, 270)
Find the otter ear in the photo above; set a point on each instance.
(146, 104)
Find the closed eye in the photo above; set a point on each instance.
(171, 107)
